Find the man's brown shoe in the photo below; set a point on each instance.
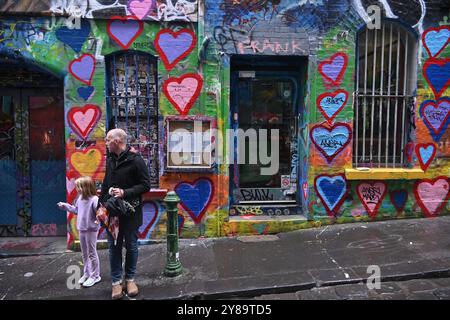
(132, 289)
(117, 292)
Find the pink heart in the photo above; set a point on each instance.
(83, 119)
(140, 8)
(432, 194)
(371, 196)
(182, 92)
(70, 185)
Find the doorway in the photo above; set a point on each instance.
(32, 152)
(266, 101)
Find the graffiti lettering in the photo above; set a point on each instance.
(331, 143)
(260, 47)
(256, 194)
(371, 194)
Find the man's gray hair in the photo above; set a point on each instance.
(119, 134)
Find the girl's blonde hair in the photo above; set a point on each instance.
(87, 187)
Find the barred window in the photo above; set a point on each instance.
(385, 77)
(132, 103)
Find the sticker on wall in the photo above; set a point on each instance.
(436, 116)
(182, 92)
(82, 120)
(371, 195)
(86, 92)
(75, 37)
(140, 8)
(331, 141)
(195, 197)
(331, 190)
(425, 154)
(83, 68)
(333, 69)
(305, 190)
(174, 46)
(124, 30)
(87, 162)
(432, 194)
(435, 40)
(398, 199)
(437, 74)
(150, 215)
(331, 103)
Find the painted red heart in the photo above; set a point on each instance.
(331, 103)
(425, 155)
(82, 120)
(71, 191)
(83, 68)
(150, 214)
(333, 69)
(371, 195)
(174, 46)
(124, 30)
(436, 73)
(432, 195)
(182, 92)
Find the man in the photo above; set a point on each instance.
(126, 177)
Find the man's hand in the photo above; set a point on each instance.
(117, 192)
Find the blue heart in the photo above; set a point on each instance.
(426, 153)
(74, 38)
(195, 198)
(399, 198)
(438, 75)
(85, 92)
(331, 189)
(259, 227)
(330, 142)
(436, 40)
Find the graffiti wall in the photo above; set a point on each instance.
(195, 44)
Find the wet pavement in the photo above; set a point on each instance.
(330, 262)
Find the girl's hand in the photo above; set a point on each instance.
(60, 205)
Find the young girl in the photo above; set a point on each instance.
(85, 206)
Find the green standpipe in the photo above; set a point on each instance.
(173, 266)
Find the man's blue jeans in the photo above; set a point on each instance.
(130, 235)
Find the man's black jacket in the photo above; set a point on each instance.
(129, 172)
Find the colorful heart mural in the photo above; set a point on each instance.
(371, 195)
(437, 74)
(124, 30)
(83, 68)
(71, 191)
(174, 46)
(435, 40)
(331, 141)
(195, 197)
(398, 199)
(86, 92)
(87, 162)
(82, 120)
(260, 228)
(331, 103)
(432, 194)
(150, 215)
(425, 154)
(436, 116)
(140, 8)
(182, 92)
(75, 37)
(333, 69)
(332, 190)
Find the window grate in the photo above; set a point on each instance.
(132, 104)
(383, 96)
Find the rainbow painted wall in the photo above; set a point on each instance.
(194, 42)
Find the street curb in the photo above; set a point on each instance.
(249, 293)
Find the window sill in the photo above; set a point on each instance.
(384, 174)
